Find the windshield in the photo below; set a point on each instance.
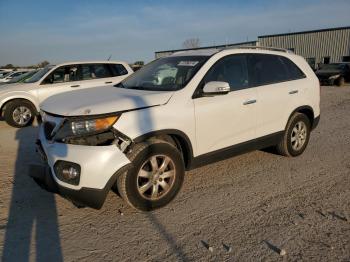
(165, 74)
(5, 74)
(38, 75)
(22, 77)
(333, 67)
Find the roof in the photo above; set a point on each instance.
(205, 52)
(92, 62)
(208, 47)
(307, 32)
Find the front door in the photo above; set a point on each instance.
(226, 120)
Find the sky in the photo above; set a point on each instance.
(71, 30)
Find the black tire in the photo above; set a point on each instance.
(288, 148)
(340, 81)
(128, 182)
(14, 105)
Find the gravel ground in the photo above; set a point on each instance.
(257, 206)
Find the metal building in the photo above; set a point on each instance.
(317, 47)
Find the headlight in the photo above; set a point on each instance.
(82, 127)
(334, 77)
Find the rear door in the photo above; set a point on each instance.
(276, 81)
(226, 120)
(101, 74)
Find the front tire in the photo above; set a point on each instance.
(19, 113)
(156, 175)
(296, 136)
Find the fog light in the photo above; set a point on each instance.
(67, 172)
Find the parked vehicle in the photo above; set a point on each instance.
(139, 137)
(12, 75)
(20, 103)
(21, 78)
(334, 74)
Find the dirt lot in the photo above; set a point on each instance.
(252, 204)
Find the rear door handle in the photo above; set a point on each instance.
(293, 92)
(110, 82)
(75, 86)
(248, 102)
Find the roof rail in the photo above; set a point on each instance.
(259, 47)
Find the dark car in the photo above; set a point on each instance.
(334, 74)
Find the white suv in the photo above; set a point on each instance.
(140, 136)
(19, 103)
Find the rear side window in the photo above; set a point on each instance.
(231, 69)
(293, 71)
(118, 69)
(267, 69)
(95, 71)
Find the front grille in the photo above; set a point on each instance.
(48, 128)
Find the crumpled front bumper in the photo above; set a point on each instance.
(100, 166)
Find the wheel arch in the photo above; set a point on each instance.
(306, 110)
(11, 99)
(182, 142)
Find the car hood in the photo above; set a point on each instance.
(14, 87)
(102, 100)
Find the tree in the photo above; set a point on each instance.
(191, 43)
(141, 63)
(9, 66)
(43, 63)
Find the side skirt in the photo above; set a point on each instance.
(221, 154)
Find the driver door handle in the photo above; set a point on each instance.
(248, 102)
(293, 92)
(75, 86)
(109, 82)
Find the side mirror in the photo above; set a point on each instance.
(216, 88)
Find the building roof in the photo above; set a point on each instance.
(307, 32)
(254, 42)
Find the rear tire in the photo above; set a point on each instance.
(296, 136)
(155, 178)
(19, 113)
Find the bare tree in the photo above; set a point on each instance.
(191, 43)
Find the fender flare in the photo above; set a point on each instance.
(11, 98)
(304, 108)
(185, 142)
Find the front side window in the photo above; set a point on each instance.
(165, 74)
(231, 69)
(63, 74)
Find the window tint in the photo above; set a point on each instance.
(118, 69)
(293, 71)
(63, 74)
(95, 71)
(100, 71)
(231, 69)
(268, 69)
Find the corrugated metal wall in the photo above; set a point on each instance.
(319, 44)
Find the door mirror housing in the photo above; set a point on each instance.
(216, 88)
